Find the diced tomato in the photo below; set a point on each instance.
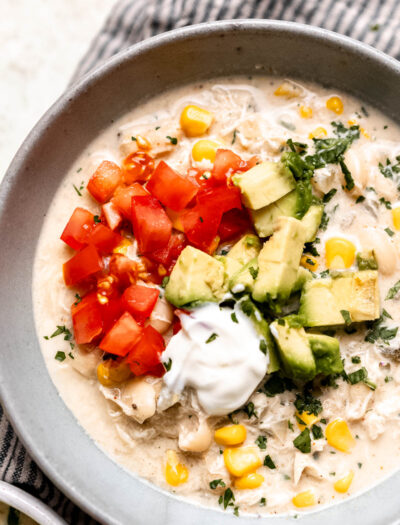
(233, 224)
(104, 181)
(226, 163)
(103, 238)
(124, 269)
(170, 253)
(112, 214)
(170, 188)
(146, 355)
(123, 198)
(201, 225)
(111, 311)
(76, 231)
(137, 166)
(122, 337)
(157, 371)
(176, 325)
(87, 319)
(82, 265)
(151, 225)
(221, 198)
(139, 301)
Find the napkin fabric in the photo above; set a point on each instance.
(375, 22)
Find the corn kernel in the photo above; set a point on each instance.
(250, 481)
(110, 374)
(318, 133)
(230, 435)
(309, 419)
(353, 122)
(205, 150)
(342, 485)
(122, 246)
(339, 253)
(396, 218)
(304, 499)
(288, 90)
(242, 460)
(306, 112)
(195, 121)
(335, 104)
(142, 143)
(310, 262)
(339, 436)
(175, 473)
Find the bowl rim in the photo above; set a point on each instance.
(74, 91)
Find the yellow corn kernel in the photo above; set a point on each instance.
(195, 121)
(353, 122)
(250, 481)
(242, 460)
(205, 150)
(339, 253)
(122, 246)
(318, 133)
(309, 419)
(304, 499)
(175, 473)
(342, 485)
(306, 112)
(396, 218)
(335, 104)
(310, 262)
(288, 90)
(142, 143)
(339, 436)
(230, 435)
(110, 374)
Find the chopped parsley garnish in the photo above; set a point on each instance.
(173, 140)
(303, 441)
(268, 462)
(308, 403)
(328, 196)
(277, 385)
(385, 313)
(324, 222)
(96, 219)
(263, 346)
(253, 272)
(261, 442)
(227, 498)
(359, 465)
(360, 376)
(78, 299)
(263, 502)
(290, 425)
(77, 191)
(234, 318)
(393, 291)
(310, 248)
(247, 307)
(386, 203)
(234, 136)
(356, 359)
(375, 27)
(359, 199)
(390, 169)
(168, 365)
(325, 273)
(201, 219)
(250, 410)
(62, 330)
(317, 432)
(347, 176)
(366, 263)
(71, 355)
(217, 482)
(165, 281)
(212, 338)
(388, 379)
(133, 138)
(389, 232)
(346, 316)
(377, 331)
(78, 170)
(60, 356)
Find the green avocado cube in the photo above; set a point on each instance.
(243, 280)
(264, 183)
(245, 249)
(312, 220)
(264, 218)
(326, 353)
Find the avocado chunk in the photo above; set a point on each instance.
(264, 218)
(303, 275)
(244, 279)
(326, 353)
(196, 276)
(262, 327)
(366, 260)
(312, 220)
(323, 301)
(294, 351)
(246, 249)
(279, 260)
(264, 183)
(231, 267)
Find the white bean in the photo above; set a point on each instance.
(162, 316)
(197, 439)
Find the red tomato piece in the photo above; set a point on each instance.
(201, 226)
(111, 312)
(233, 224)
(170, 188)
(221, 198)
(76, 231)
(226, 163)
(139, 301)
(151, 225)
(146, 354)
(104, 181)
(123, 198)
(87, 319)
(137, 166)
(103, 238)
(122, 337)
(157, 371)
(82, 265)
(112, 214)
(169, 254)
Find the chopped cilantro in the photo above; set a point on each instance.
(133, 138)
(234, 318)
(308, 403)
(310, 248)
(328, 196)
(388, 379)
(60, 356)
(201, 219)
(96, 219)
(212, 338)
(253, 272)
(393, 291)
(276, 385)
(168, 365)
(359, 465)
(234, 136)
(356, 359)
(78, 170)
(268, 462)
(290, 425)
(263, 502)
(77, 191)
(247, 307)
(78, 299)
(71, 355)
(386, 203)
(173, 140)
(165, 281)
(390, 169)
(62, 330)
(359, 199)
(317, 432)
(360, 376)
(389, 232)
(263, 346)
(346, 316)
(261, 442)
(303, 441)
(250, 410)
(227, 498)
(217, 482)
(385, 313)
(324, 221)
(347, 176)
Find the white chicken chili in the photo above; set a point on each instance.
(221, 311)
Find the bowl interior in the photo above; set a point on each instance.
(49, 430)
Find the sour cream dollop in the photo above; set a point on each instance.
(216, 356)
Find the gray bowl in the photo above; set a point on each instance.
(47, 428)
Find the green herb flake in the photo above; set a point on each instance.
(263, 346)
(261, 442)
(227, 498)
(96, 219)
(356, 359)
(78, 170)
(234, 136)
(359, 465)
(263, 502)
(388, 379)
(201, 219)
(217, 482)
(253, 272)
(308, 403)
(134, 139)
(77, 191)
(250, 410)
(393, 291)
(168, 365)
(78, 299)
(389, 232)
(212, 338)
(303, 441)
(71, 355)
(234, 317)
(165, 281)
(173, 140)
(60, 356)
(290, 425)
(346, 316)
(62, 330)
(317, 432)
(269, 463)
(359, 199)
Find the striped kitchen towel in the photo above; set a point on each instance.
(376, 22)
